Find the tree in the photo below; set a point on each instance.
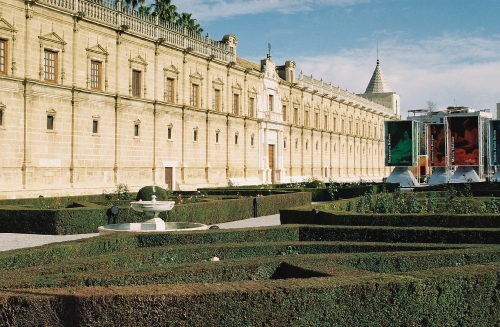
(185, 21)
(133, 3)
(431, 106)
(166, 11)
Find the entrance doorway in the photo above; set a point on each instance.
(169, 177)
(270, 154)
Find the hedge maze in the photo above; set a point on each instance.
(321, 267)
(291, 275)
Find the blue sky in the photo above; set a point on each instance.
(445, 51)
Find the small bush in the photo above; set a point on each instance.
(147, 192)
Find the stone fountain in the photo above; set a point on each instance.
(154, 223)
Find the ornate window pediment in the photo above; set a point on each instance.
(5, 27)
(171, 70)
(196, 76)
(218, 83)
(97, 51)
(52, 39)
(138, 61)
(237, 88)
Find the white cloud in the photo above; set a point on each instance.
(213, 9)
(447, 70)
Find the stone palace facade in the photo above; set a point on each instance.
(93, 95)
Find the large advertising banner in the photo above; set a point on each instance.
(463, 137)
(437, 145)
(495, 142)
(401, 143)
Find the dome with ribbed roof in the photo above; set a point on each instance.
(378, 83)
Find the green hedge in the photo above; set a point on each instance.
(85, 217)
(448, 296)
(274, 276)
(307, 215)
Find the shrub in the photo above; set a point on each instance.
(146, 192)
(315, 184)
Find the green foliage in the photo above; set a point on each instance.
(121, 193)
(146, 193)
(432, 202)
(412, 204)
(315, 183)
(384, 203)
(332, 189)
(364, 204)
(493, 205)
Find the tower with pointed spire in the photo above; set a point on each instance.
(379, 91)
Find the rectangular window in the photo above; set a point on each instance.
(284, 113)
(334, 124)
(1, 117)
(169, 133)
(217, 100)
(3, 57)
(195, 95)
(169, 96)
(271, 102)
(95, 126)
(136, 129)
(136, 83)
(195, 136)
(306, 118)
(95, 75)
(251, 107)
(50, 122)
(325, 123)
(236, 104)
(236, 139)
(216, 137)
(296, 116)
(316, 120)
(50, 66)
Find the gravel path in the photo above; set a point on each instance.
(11, 241)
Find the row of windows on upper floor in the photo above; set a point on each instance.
(50, 75)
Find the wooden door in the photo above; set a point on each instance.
(271, 161)
(169, 177)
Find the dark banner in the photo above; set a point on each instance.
(495, 142)
(437, 145)
(400, 143)
(463, 137)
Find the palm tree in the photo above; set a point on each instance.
(185, 21)
(165, 10)
(132, 3)
(145, 10)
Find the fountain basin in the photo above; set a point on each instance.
(151, 226)
(154, 206)
(154, 224)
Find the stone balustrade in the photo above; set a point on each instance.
(124, 18)
(327, 89)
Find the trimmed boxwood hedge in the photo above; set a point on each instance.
(85, 217)
(167, 280)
